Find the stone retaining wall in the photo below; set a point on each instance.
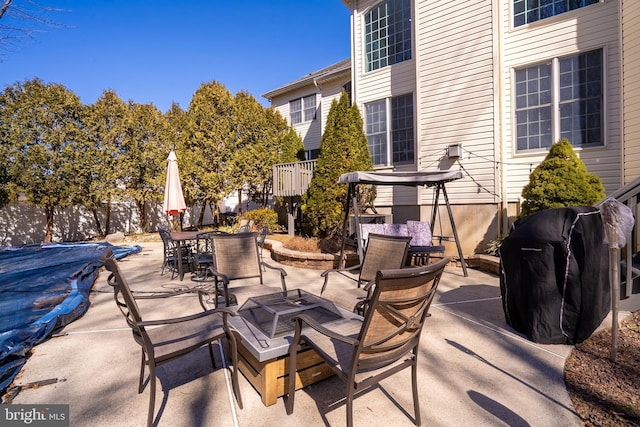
(315, 261)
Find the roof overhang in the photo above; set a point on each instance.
(332, 72)
(348, 3)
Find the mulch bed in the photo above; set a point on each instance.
(605, 393)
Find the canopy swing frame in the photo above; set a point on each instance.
(408, 179)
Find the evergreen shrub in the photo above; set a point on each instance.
(561, 180)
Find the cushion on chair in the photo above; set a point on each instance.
(421, 233)
(371, 228)
(396, 229)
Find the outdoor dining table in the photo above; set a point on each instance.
(180, 237)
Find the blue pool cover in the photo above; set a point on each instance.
(43, 287)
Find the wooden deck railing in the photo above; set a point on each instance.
(630, 195)
(292, 179)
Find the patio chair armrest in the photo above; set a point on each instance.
(325, 274)
(225, 284)
(281, 270)
(305, 318)
(219, 276)
(337, 270)
(223, 311)
(283, 274)
(368, 285)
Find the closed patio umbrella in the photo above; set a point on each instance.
(173, 198)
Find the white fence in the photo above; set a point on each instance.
(23, 223)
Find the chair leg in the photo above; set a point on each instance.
(141, 382)
(152, 396)
(293, 352)
(213, 360)
(414, 386)
(234, 373)
(350, 392)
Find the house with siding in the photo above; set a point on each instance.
(484, 87)
(305, 102)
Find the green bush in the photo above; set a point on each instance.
(561, 180)
(343, 148)
(264, 217)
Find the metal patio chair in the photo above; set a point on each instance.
(383, 253)
(202, 257)
(164, 340)
(170, 260)
(237, 271)
(387, 342)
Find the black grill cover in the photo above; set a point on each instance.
(554, 275)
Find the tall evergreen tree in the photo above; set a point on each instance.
(42, 122)
(207, 144)
(143, 163)
(292, 144)
(561, 180)
(98, 156)
(250, 154)
(343, 149)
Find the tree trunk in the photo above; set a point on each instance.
(140, 205)
(201, 217)
(216, 214)
(96, 219)
(107, 221)
(48, 211)
(240, 202)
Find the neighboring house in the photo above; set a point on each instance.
(502, 80)
(306, 102)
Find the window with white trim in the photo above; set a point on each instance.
(295, 111)
(527, 11)
(387, 34)
(394, 141)
(309, 107)
(302, 108)
(562, 98)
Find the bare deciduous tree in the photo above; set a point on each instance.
(22, 19)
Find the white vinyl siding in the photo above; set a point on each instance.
(583, 30)
(455, 96)
(631, 75)
(311, 131)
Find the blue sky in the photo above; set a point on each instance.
(162, 51)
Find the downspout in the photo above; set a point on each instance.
(353, 50)
(623, 171)
(503, 203)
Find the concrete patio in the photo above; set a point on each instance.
(474, 369)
